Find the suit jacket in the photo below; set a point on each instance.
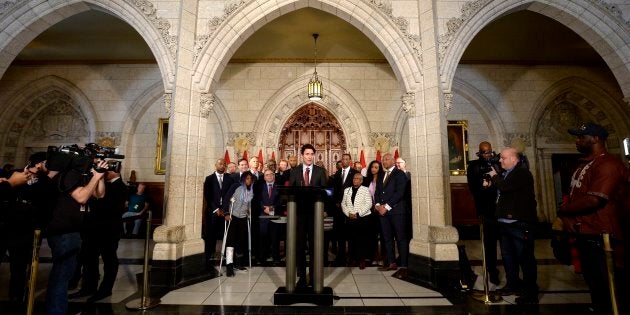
(215, 193)
(267, 200)
(317, 176)
(340, 186)
(362, 202)
(392, 193)
(516, 195)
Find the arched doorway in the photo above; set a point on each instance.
(315, 125)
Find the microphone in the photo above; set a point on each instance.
(626, 147)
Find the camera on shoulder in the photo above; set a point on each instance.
(81, 159)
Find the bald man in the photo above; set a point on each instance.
(516, 213)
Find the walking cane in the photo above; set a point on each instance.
(610, 266)
(226, 228)
(485, 297)
(32, 279)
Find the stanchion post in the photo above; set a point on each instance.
(318, 248)
(610, 266)
(486, 298)
(145, 302)
(291, 244)
(32, 279)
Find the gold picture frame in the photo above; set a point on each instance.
(160, 147)
(457, 131)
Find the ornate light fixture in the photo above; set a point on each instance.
(315, 85)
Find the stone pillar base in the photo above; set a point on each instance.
(176, 262)
(434, 261)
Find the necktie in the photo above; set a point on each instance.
(269, 187)
(220, 181)
(343, 176)
(307, 177)
(386, 177)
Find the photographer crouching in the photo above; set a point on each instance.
(77, 179)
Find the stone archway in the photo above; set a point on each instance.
(599, 24)
(313, 124)
(22, 21)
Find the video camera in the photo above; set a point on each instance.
(73, 157)
(489, 164)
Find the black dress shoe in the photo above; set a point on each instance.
(99, 295)
(508, 291)
(301, 282)
(79, 294)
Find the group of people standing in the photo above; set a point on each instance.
(365, 211)
(597, 203)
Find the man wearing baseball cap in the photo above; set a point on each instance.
(592, 209)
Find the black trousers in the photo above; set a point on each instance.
(305, 220)
(237, 235)
(213, 230)
(95, 247)
(358, 230)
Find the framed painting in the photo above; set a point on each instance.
(457, 131)
(160, 148)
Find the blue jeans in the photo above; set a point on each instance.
(517, 250)
(65, 249)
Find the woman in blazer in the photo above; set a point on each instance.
(357, 206)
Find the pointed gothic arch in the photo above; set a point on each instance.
(400, 49)
(600, 27)
(20, 26)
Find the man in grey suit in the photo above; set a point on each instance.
(306, 174)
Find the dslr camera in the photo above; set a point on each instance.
(73, 157)
(488, 164)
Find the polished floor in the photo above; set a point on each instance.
(356, 291)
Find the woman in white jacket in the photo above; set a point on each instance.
(356, 205)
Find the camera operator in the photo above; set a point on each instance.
(27, 210)
(485, 197)
(101, 234)
(75, 188)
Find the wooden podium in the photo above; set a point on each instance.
(317, 293)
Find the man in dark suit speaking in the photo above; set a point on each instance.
(306, 174)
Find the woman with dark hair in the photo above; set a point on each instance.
(240, 201)
(374, 171)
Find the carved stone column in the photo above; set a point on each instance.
(434, 256)
(178, 255)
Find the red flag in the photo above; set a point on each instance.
(362, 160)
(227, 157)
(245, 155)
(378, 155)
(273, 155)
(260, 157)
(396, 156)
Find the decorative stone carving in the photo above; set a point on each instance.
(58, 121)
(414, 41)
(207, 103)
(454, 24)
(7, 6)
(382, 141)
(202, 40)
(168, 101)
(108, 139)
(613, 11)
(567, 111)
(443, 235)
(173, 234)
(517, 141)
(448, 102)
(161, 24)
(409, 103)
(241, 141)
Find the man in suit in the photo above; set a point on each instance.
(402, 165)
(269, 231)
(306, 174)
(390, 205)
(342, 180)
(516, 213)
(254, 166)
(243, 166)
(215, 187)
